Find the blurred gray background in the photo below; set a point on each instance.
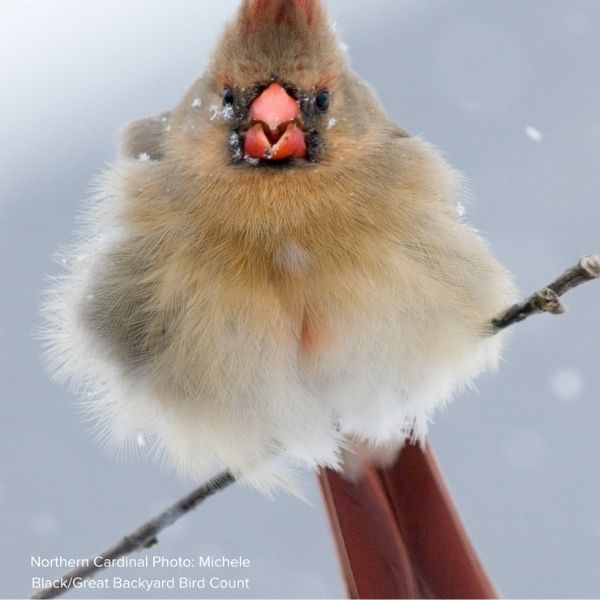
(510, 90)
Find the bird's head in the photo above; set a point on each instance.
(279, 132)
(278, 91)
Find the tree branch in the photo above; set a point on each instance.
(547, 299)
(544, 300)
(143, 537)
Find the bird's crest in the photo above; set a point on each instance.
(292, 39)
(260, 14)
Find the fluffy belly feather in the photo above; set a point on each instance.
(250, 388)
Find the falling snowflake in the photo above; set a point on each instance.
(533, 134)
(197, 103)
(223, 112)
(567, 384)
(144, 157)
(293, 258)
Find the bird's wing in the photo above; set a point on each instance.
(399, 535)
(145, 137)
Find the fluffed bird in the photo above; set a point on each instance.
(274, 274)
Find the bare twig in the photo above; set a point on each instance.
(547, 299)
(143, 537)
(544, 300)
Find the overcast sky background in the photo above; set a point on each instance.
(509, 90)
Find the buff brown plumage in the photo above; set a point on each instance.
(274, 273)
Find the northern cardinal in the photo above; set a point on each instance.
(273, 273)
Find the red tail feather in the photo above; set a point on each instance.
(399, 535)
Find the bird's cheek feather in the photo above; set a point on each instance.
(291, 144)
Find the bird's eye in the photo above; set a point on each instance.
(228, 97)
(322, 100)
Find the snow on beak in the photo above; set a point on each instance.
(274, 133)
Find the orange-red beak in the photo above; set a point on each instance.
(274, 134)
